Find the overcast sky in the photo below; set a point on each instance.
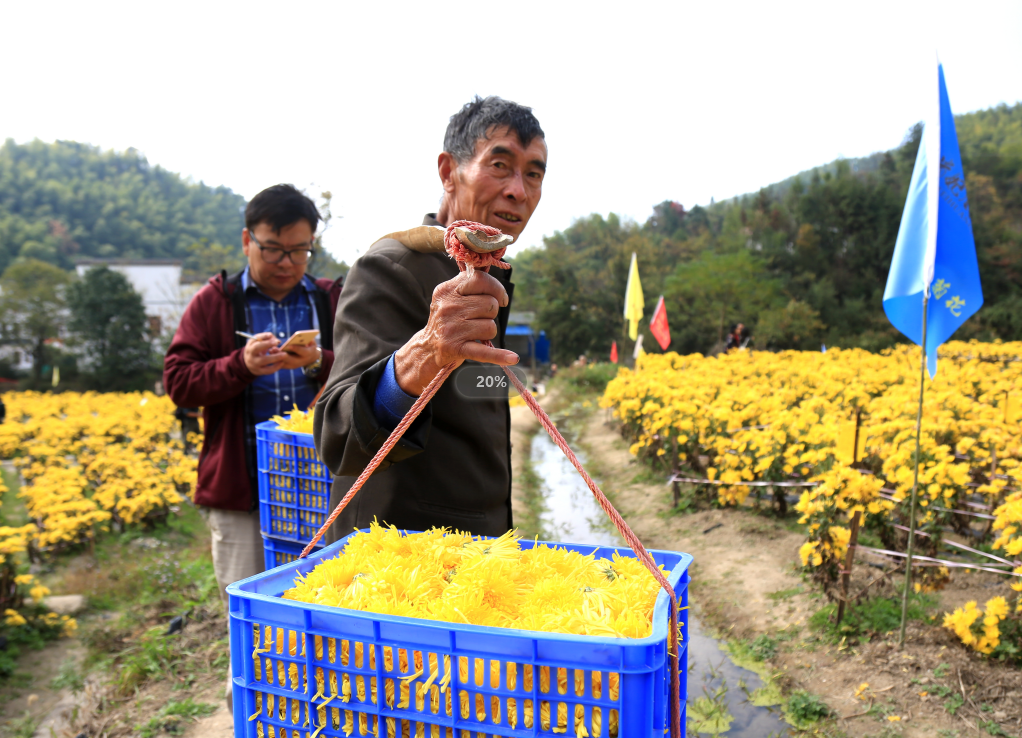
(641, 102)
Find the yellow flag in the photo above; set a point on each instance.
(633, 299)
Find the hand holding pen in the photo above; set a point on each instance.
(261, 353)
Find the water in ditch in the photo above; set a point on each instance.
(721, 694)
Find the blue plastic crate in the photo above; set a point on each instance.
(294, 485)
(309, 671)
(280, 552)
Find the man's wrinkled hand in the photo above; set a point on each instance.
(462, 314)
(262, 355)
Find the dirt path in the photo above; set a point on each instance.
(746, 583)
(218, 725)
(31, 704)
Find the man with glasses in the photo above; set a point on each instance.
(240, 381)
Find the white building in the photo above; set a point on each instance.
(159, 283)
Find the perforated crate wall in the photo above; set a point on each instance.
(294, 485)
(278, 552)
(308, 671)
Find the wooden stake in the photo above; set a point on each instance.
(846, 574)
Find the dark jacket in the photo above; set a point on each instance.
(205, 366)
(453, 465)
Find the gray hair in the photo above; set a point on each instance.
(475, 120)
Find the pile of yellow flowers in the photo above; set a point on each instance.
(450, 576)
(761, 416)
(297, 421)
(89, 460)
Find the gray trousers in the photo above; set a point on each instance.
(237, 553)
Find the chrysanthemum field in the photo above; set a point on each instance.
(752, 416)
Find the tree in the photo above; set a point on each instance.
(796, 326)
(822, 238)
(704, 296)
(577, 283)
(64, 200)
(108, 318)
(323, 263)
(32, 307)
(206, 259)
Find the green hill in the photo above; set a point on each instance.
(802, 262)
(68, 200)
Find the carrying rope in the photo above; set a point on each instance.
(469, 259)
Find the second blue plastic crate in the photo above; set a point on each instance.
(294, 485)
(278, 552)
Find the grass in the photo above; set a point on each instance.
(648, 475)
(785, 594)
(864, 620)
(580, 383)
(764, 647)
(124, 576)
(23, 727)
(155, 655)
(954, 703)
(751, 655)
(146, 585)
(69, 677)
(12, 508)
(992, 728)
(171, 718)
(531, 486)
(804, 709)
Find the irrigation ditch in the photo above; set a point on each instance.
(724, 698)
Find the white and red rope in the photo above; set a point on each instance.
(469, 259)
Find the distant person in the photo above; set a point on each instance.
(404, 315)
(241, 381)
(737, 338)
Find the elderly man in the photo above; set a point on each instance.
(404, 315)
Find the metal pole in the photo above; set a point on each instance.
(915, 482)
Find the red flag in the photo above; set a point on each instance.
(658, 325)
(613, 352)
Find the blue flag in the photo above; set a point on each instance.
(935, 253)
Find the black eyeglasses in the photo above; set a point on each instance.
(273, 255)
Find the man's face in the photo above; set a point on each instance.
(500, 186)
(276, 280)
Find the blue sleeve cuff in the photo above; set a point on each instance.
(391, 403)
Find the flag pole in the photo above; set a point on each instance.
(915, 482)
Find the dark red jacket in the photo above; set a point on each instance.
(205, 367)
